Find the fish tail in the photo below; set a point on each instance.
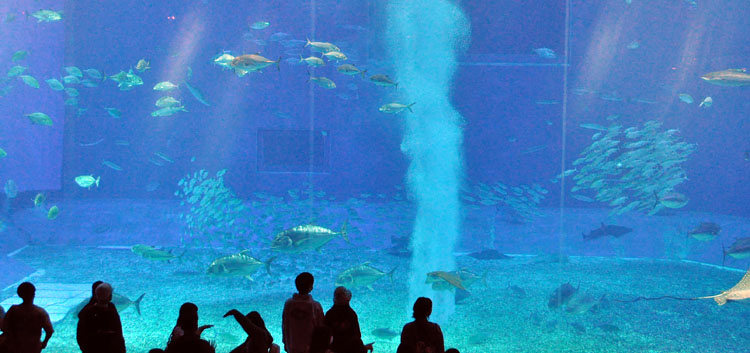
(308, 42)
(343, 231)
(409, 107)
(278, 67)
(97, 180)
(363, 73)
(301, 59)
(137, 304)
(390, 273)
(268, 264)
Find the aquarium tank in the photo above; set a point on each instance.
(556, 176)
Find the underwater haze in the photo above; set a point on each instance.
(557, 176)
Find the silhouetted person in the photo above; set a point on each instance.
(99, 326)
(452, 350)
(188, 313)
(424, 336)
(301, 316)
(344, 324)
(321, 340)
(23, 324)
(405, 348)
(91, 302)
(2, 336)
(259, 340)
(189, 341)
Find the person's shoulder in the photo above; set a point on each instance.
(39, 310)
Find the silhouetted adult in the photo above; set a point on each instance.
(99, 326)
(344, 324)
(23, 324)
(259, 340)
(188, 313)
(405, 348)
(321, 340)
(2, 336)
(301, 315)
(424, 336)
(189, 341)
(91, 302)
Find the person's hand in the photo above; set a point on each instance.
(369, 347)
(42, 345)
(200, 329)
(232, 312)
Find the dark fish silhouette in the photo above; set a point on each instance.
(561, 296)
(705, 231)
(607, 230)
(489, 254)
(740, 249)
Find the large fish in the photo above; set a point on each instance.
(151, 253)
(460, 279)
(121, 302)
(729, 77)
(362, 275)
(241, 264)
(250, 63)
(740, 249)
(305, 237)
(607, 230)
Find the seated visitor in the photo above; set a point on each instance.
(259, 340)
(188, 311)
(344, 324)
(186, 335)
(23, 324)
(422, 335)
(99, 326)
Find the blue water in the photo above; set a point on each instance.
(488, 109)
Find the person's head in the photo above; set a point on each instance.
(304, 282)
(256, 319)
(321, 339)
(188, 317)
(103, 293)
(452, 350)
(93, 287)
(341, 296)
(422, 308)
(26, 291)
(405, 348)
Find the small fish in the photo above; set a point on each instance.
(634, 45)
(3, 154)
(167, 101)
(46, 16)
(53, 212)
(168, 111)
(685, 98)
(54, 84)
(260, 25)
(322, 47)
(592, 126)
(163, 157)
(728, 77)
(11, 189)
(142, 65)
(89, 83)
(151, 253)
(385, 333)
(20, 55)
(545, 53)
(351, 70)
(196, 94)
(72, 70)
(86, 181)
(313, 61)
(705, 231)
(324, 82)
(30, 81)
(395, 108)
(383, 80)
(489, 254)
(93, 73)
(165, 86)
(607, 230)
(582, 198)
(71, 92)
(547, 102)
(673, 199)
(706, 102)
(114, 112)
(122, 143)
(39, 199)
(111, 165)
(39, 119)
(16, 70)
(335, 56)
(71, 80)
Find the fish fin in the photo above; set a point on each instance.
(343, 231)
(268, 264)
(409, 107)
(97, 180)
(278, 67)
(249, 278)
(308, 42)
(390, 274)
(363, 73)
(301, 59)
(137, 304)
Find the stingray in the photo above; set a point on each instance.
(561, 296)
(740, 291)
(489, 254)
(607, 230)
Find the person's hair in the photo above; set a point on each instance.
(93, 287)
(188, 317)
(321, 339)
(341, 295)
(422, 308)
(103, 291)
(304, 282)
(26, 291)
(452, 350)
(257, 320)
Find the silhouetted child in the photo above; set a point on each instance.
(188, 313)
(424, 336)
(321, 340)
(301, 316)
(452, 350)
(344, 324)
(91, 302)
(99, 326)
(259, 340)
(187, 339)
(23, 324)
